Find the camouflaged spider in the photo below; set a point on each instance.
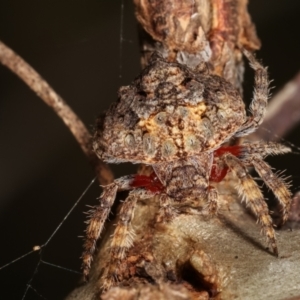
(179, 121)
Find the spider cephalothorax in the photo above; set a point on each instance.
(179, 121)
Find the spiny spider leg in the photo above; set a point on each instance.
(260, 96)
(123, 237)
(253, 196)
(98, 216)
(261, 148)
(277, 185)
(245, 152)
(252, 154)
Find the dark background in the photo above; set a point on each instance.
(75, 46)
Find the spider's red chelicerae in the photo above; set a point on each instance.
(179, 121)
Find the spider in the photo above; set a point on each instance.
(179, 121)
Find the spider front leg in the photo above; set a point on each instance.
(98, 217)
(122, 238)
(252, 154)
(253, 196)
(260, 96)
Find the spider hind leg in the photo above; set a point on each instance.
(122, 238)
(97, 218)
(276, 184)
(253, 197)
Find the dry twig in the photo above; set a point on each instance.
(18, 66)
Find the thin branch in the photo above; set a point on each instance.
(18, 66)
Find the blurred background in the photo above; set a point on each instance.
(76, 46)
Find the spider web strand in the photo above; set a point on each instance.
(60, 267)
(121, 37)
(69, 212)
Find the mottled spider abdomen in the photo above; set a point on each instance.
(169, 112)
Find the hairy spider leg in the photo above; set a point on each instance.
(123, 237)
(152, 183)
(219, 170)
(97, 218)
(252, 154)
(276, 184)
(252, 195)
(260, 96)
